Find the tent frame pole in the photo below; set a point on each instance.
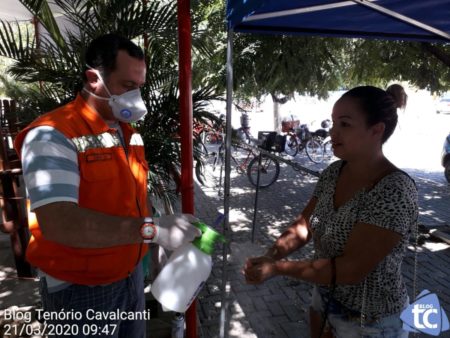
(308, 9)
(367, 3)
(403, 18)
(224, 311)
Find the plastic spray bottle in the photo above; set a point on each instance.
(186, 271)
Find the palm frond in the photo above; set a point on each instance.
(47, 77)
(16, 42)
(41, 10)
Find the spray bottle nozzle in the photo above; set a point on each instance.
(208, 238)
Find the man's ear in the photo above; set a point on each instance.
(92, 78)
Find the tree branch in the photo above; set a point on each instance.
(281, 100)
(437, 52)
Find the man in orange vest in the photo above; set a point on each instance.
(86, 176)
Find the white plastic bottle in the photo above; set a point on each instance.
(186, 271)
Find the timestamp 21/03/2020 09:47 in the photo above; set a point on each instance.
(66, 323)
(30, 329)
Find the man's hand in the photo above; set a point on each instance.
(175, 230)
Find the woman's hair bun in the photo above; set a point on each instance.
(398, 94)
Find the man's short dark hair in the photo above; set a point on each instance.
(102, 52)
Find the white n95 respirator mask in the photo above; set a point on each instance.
(127, 107)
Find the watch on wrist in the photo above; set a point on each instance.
(148, 230)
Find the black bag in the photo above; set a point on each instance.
(321, 133)
(271, 141)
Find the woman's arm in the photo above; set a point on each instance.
(296, 236)
(367, 246)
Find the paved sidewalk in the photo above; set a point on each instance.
(277, 308)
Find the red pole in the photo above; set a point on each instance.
(185, 86)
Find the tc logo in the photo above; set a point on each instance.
(425, 315)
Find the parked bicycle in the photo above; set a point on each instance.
(292, 140)
(323, 136)
(211, 131)
(211, 170)
(299, 138)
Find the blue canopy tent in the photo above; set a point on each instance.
(413, 20)
(385, 19)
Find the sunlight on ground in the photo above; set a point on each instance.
(431, 197)
(427, 212)
(5, 294)
(275, 233)
(239, 191)
(439, 220)
(238, 218)
(237, 324)
(430, 246)
(276, 228)
(6, 271)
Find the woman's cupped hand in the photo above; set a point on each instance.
(259, 269)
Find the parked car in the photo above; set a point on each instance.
(445, 159)
(443, 105)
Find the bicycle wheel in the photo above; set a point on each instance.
(291, 146)
(328, 151)
(210, 172)
(314, 150)
(268, 171)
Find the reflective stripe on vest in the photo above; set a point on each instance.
(104, 140)
(136, 140)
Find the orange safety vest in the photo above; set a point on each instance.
(111, 182)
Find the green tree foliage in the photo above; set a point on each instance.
(283, 65)
(209, 68)
(424, 65)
